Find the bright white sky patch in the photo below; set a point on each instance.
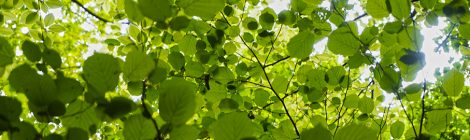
(433, 59)
(24, 30)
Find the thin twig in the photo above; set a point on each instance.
(274, 63)
(271, 86)
(90, 12)
(422, 108)
(444, 42)
(407, 116)
(272, 45)
(269, 82)
(359, 17)
(342, 103)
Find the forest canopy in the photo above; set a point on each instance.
(233, 69)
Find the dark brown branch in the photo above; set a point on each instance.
(359, 17)
(274, 63)
(90, 12)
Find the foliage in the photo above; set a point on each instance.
(230, 69)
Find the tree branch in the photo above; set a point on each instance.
(271, 86)
(90, 12)
(269, 82)
(422, 109)
(342, 103)
(359, 17)
(274, 63)
(147, 111)
(444, 42)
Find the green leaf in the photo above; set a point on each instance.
(184, 132)
(137, 66)
(396, 129)
(160, 72)
(157, 10)
(31, 50)
(25, 131)
(52, 58)
(318, 132)
(352, 101)
(40, 90)
(342, 41)
(233, 126)
(188, 45)
(56, 108)
(176, 59)
(280, 84)
(32, 17)
(355, 131)
(453, 82)
(49, 19)
(223, 75)
(135, 88)
(228, 104)
(177, 100)
(401, 9)
(179, 23)
(261, 97)
(138, 127)
(76, 134)
(285, 131)
(389, 79)
(336, 75)
(80, 114)
(463, 102)
(428, 4)
(267, 18)
(287, 17)
(57, 28)
(101, 71)
(119, 106)
(68, 89)
(54, 136)
(132, 10)
(6, 52)
(22, 77)
(194, 69)
(10, 109)
(301, 45)
(205, 9)
(438, 120)
(377, 8)
(366, 105)
(464, 30)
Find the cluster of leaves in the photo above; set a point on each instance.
(229, 69)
